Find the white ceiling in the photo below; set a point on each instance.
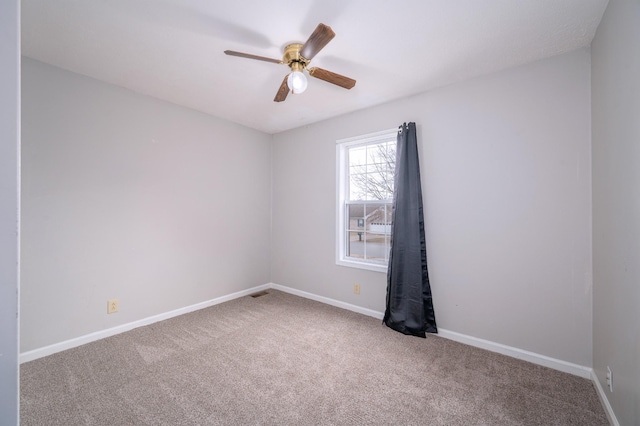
(173, 49)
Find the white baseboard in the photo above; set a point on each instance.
(545, 361)
(328, 301)
(604, 400)
(556, 364)
(535, 358)
(92, 337)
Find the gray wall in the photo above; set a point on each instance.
(505, 162)
(616, 205)
(128, 197)
(9, 201)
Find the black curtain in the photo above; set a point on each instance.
(409, 303)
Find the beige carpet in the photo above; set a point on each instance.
(283, 360)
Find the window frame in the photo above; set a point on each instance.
(342, 187)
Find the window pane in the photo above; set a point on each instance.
(376, 247)
(355, 217)
(383, 153)
(388, 178)
(387, 245)
(358, 186)
(376, 218)
(389, 215)
(378, 186)
(371, 171)
(355, 244)
(357, 156)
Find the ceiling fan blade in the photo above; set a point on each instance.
(332, 77)
(283, 91)
(320, 37)
(249, 56)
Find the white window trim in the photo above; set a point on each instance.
(341, 189)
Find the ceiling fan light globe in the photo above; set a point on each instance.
(297, 82)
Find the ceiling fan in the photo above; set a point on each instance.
(297, 56)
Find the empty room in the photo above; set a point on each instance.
(320, 212)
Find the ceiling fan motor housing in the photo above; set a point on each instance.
(293, 58)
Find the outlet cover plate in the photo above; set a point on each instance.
(112, 306)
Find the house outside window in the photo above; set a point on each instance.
(365, 169)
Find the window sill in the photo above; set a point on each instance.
(362, 265)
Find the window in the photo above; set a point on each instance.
(365, 170)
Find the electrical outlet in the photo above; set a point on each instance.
(112, 306)
(356, 288)
(609, 379)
